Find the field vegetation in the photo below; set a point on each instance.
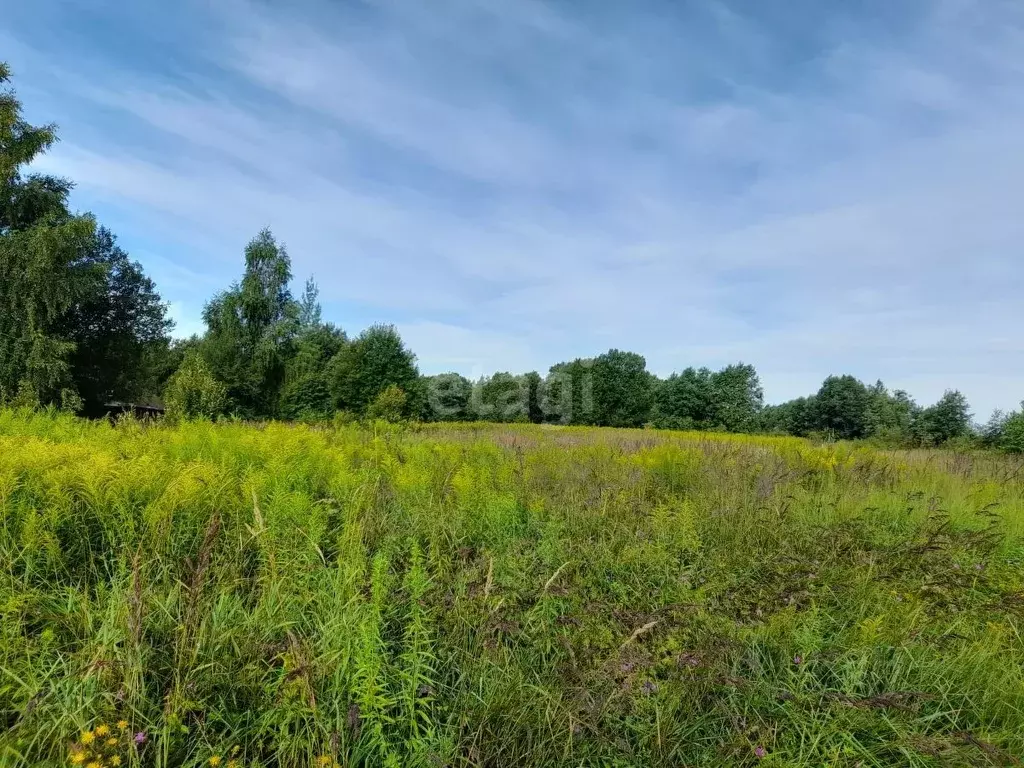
(238, 594)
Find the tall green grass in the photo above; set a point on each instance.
(482, 595)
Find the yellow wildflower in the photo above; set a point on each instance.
(111, 742)
(122, 724)
(87, 738)
(324, 761)
(77, 758)
(95, 764)
(232, 764)
(214, 761)
(115, 760)
(102, 730)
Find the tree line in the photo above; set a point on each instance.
(82, 326)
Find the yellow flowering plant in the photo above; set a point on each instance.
(102, 747)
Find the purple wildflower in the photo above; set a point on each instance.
(760, 751)
(140, 737)
(798, 659)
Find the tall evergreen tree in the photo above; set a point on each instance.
(75, 313)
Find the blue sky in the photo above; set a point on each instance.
(813, 187)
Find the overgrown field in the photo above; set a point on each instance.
(502, 596)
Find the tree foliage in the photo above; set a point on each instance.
(390, 404)
(120, 332)
(841, 407)
(250, 328)
(623, 389)
(193, 392)
(534, 397)
(306, 392)
(568, 393)
(370, 364)
(79, 321)
(684, 400)
(794, 417)
(736, 397)
(1012, 438)
(949, 418)
(447, 397)
(501, 397)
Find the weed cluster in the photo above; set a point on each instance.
(485, 595)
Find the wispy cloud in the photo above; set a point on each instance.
(810, 187)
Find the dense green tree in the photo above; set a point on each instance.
(388, 405)
(623, 389)
(568, 393)
(949, 418)
(192, 391)
(794, 417)
(251, 327)
(502, 397)
(306, 392)
(736, 397)
(168, 360)
(119, 332)
(370, 364)
(43, 270)
(1004, 431)
(683, 400)
(891, 417)
(447, 397)
(76, 315)
(534, 397)
(1011, 439)
(841, 407)
(992, 431)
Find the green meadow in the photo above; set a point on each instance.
(502, 595)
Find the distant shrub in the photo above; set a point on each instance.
(961, 443)
(193, 393)
(389, 405)
(343, 419)
(26, 396)
(306, 398)
(1012, 438)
